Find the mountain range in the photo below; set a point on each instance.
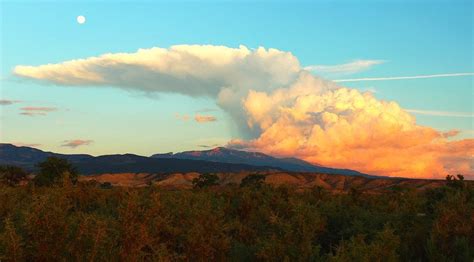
(226, 155)
(219, 159)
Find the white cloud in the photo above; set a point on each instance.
(187, 69)
(348, 68)
(279, 107)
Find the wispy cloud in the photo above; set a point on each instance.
(347, 68)
(36, 111)
(206, 110)
(402, 77)
(6, 102)
(450, 133)
(441, 113)
(26, 144)
(208, 146)
(76, 143)
(204, 119)
(182, 117)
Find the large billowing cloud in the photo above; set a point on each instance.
(349, 129)
(187, 69)
(281, 108)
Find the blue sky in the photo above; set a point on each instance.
(411, 37)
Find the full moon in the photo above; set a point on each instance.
(81, 19)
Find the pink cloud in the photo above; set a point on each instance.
(26, 144)
(36, 111)
(76, 143)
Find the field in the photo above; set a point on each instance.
(92, 221)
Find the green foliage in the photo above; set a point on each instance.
(254, 180)
(382, 248)
(12, 175)
(205, 180)
(55, 170)
(83, 222)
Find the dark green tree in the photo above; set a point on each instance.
(254, 180)
(205, 180)
(12, 175)
(53, 170)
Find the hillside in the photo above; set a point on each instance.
(333, 183)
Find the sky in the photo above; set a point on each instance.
(224, 74)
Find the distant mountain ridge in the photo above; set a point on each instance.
(226, 155)
(28, 157)
(219, 159)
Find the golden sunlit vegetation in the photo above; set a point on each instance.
(88, 221)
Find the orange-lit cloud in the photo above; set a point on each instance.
(346, 128)
(204, 119)
(76, 143)
(280, 108)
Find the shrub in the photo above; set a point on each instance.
(12, 175)
(205, 180)
(254, 180)
(53, 171)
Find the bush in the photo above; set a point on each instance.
(54, 170)
(254, 180)
(106, 185)
(12, 175)
(206, 180)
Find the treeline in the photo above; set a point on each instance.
(68, 220)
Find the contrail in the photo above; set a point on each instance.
(441, 113)
(401, 77)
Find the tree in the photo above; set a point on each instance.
(455, 181)
(53, 170)
(12, 175)
(205, 180)
(254, 180)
